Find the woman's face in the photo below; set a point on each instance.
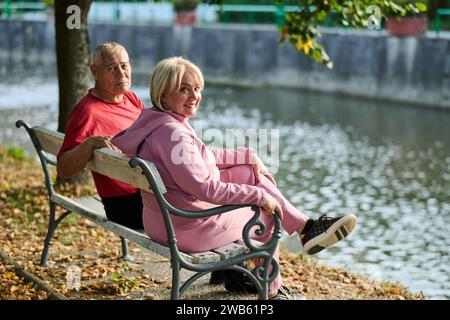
(186, 100)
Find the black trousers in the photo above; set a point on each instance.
(125, 210)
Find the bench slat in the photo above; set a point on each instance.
(104, 161)
(230, 250)
(99, 217)
(205, 257)
(92, 209)
(115, 165)
(255, 242)
(141, 239)
(51, 141)
(93, 204)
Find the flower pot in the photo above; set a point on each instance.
(406, 26)
(186, 18)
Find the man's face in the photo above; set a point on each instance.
(113, 74)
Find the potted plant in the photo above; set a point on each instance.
(50, 8)
(185, 11)
(409, 20)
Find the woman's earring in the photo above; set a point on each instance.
(164, 105)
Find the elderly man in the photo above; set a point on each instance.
(107, 109)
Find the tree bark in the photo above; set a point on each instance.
(73, 60)
(72, 57)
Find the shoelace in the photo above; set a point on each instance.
(326, 220)
(324, 217)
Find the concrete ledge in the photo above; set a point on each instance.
(367, 64)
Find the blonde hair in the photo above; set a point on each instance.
(167, 76)
(105, 47)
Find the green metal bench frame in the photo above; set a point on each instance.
(145, 176)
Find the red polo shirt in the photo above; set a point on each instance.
(95, 117)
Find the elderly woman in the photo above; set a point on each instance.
(198, 178)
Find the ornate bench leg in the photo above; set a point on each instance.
(264, 294)
(265, 275)
(175, 292)
(52, 224)
(125, 255)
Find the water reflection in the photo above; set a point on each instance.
(389, 164)
(409, 126)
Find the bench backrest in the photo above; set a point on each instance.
(104, 161)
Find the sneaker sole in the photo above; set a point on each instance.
(335, 233)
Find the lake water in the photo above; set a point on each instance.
(388, 163)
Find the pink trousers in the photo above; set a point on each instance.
(220, 230)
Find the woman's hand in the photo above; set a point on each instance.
(271, 205)
(260, 168)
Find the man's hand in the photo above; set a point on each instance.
(260, 168)
(97, 142)
(73, 161)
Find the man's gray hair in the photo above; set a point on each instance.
(105, 47)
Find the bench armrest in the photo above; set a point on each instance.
(203, 213)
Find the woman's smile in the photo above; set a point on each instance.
(186, 99)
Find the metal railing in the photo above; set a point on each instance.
(250, 10)
(10, 8)
(437, 20)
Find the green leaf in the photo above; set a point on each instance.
(396, 7)
(421, 6)
(317, 55)
(115, 276)
(298, 29)
(413, 8)
(321, 16)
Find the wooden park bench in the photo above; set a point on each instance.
(144, 175)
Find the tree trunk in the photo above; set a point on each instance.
(72, 56)
(73, 59)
